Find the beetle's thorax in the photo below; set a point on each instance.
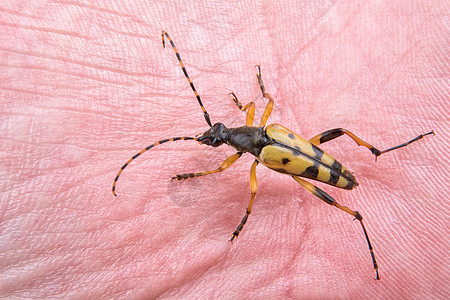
(249, 139)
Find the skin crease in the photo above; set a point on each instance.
(86, 86)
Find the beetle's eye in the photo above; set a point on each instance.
(215, 142)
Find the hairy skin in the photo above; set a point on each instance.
(86, 86)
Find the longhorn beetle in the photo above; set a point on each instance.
(277, 148)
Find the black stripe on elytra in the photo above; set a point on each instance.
(296, 151)
(350, 185)
(311, 172)
(318, 152)
(336, 170)
(337, 166)
(334, 177)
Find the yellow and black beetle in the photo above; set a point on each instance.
(277, 148)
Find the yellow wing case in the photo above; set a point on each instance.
(291, 154)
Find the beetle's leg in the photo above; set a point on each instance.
(337, 132)
(253, 189)
(227, 163)
(250, 107)
(328, 199)
(269, 105)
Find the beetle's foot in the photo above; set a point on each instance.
(260, 81)
(235, 235)
(183, 176)
(236, 101)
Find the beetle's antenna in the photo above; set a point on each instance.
(186, 74)
(145, 150)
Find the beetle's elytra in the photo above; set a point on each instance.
(277, 148)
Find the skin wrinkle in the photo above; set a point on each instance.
(46, 30)
(86, 86)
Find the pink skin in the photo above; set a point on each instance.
(84, 87)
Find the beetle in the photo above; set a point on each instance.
(277, 148)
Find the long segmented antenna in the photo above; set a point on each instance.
(145, 150)
(186, 74)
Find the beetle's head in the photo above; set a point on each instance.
(215, 136)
